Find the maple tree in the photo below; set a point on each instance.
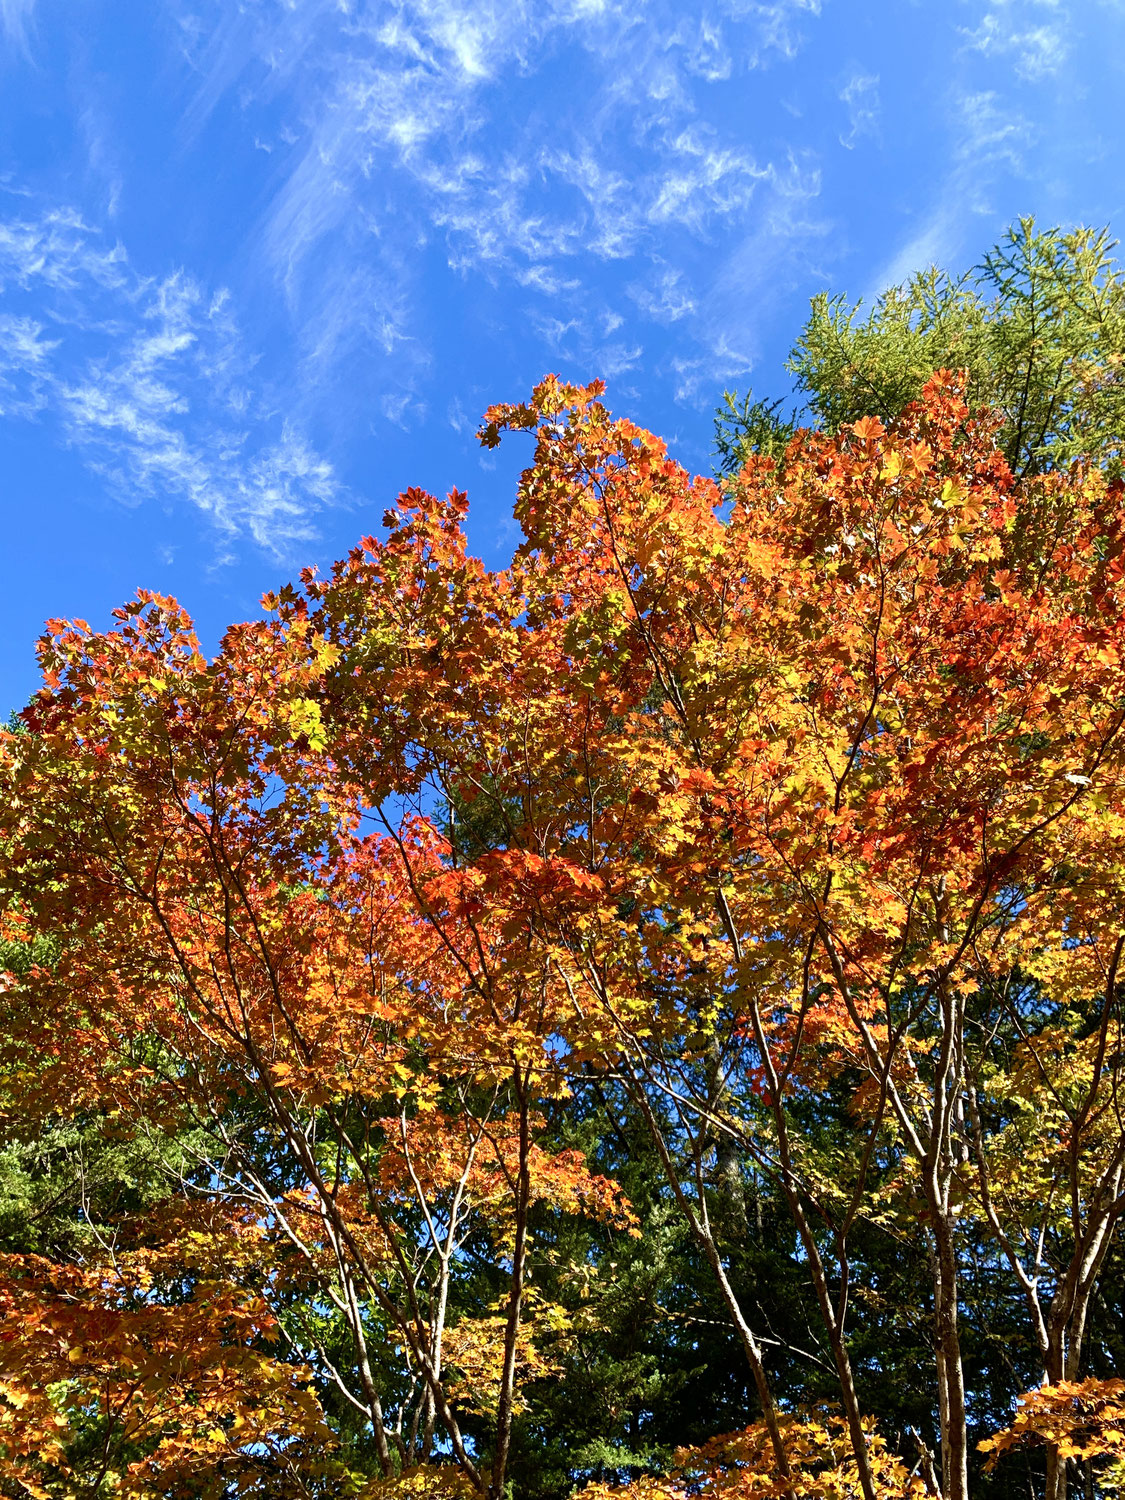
(232, 955)
(777, 829)
(1077, 1419)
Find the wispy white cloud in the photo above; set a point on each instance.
(1014, 61)
(664, 296)
(752, 281)
(936, 242)
(780, 25)
(990, 136)
(60, 252)
(616, 359)
(25, 366)
(1033, 34)
(697, 375)
(429, 124)
(860, 95)
(14, 18)
(150, 382)
(991, 133)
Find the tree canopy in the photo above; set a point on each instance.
(1038, 326)
(644, 1021)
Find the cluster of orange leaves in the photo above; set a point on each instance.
(188, 1390)
(741, 1466)
(1082, 1419)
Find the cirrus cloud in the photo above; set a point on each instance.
(150, 382)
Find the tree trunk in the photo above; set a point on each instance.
(506, 1404)
(951, 1376)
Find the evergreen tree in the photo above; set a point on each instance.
(1039, 325)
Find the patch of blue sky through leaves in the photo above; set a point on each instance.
(263, 263)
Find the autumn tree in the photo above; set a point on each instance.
(231, 953)
(760, 847)
(650, 594)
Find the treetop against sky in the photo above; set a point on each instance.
(650, 1014)
(263, 265)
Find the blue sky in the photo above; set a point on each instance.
(263, 263)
